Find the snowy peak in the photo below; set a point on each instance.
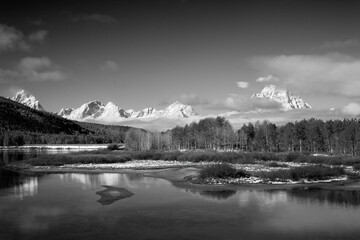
(283, 96)
(97, 111)
(27, 99)
(111, 111)
(178, 110)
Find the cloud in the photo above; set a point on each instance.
(38, 36)
(336, 74)
(193, 100)
(234, 102)
(96, 17)
(242, 84)
(110, 65)
(268, 78)
(11, 39)
(352, 109)
(31, 69)
(341, 44)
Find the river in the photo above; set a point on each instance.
(125, 206)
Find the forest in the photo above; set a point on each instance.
(341, 137)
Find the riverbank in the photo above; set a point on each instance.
(186, 174)
(56, 146)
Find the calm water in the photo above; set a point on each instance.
(78, 206)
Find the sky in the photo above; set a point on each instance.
(210, 54)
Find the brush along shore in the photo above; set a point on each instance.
(212, 168)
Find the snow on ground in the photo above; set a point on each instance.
(253, 180)
(60, 146)
(136, 164)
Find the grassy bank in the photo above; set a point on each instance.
(317, 172)
(268, 159)
(78, 158)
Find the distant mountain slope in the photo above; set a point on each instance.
(105, 129)
(16, 116)
(283, 96)
(27, 99)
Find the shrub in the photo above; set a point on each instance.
(291, 157)
(210, 156)
(315, 172)
(307, 172)
(113, 146)
(266, 156)
(356, 166)
(221, 170)
(275, 164)
(156, 155)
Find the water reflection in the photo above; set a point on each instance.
(113, 194)
(218, 195)
(28, 188)
(347, 198)
(91, 181)
(70, 205)
(264, 199)
(17, 184)
(13, 155)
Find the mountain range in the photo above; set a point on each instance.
(96, 111)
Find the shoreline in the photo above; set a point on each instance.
(56, 147)
(183, 177)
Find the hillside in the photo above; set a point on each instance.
(16, 116)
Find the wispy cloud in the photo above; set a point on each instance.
(243, 84)
(328, 74)
(341, 44)
(38, 36)
(31, 69)
(97, 17)
(11, 39)
(235, 102)
(268, 78)
(109, 66)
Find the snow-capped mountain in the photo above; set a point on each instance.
(178, 110)
(94, 110)
(27, 99)
(283, 96)
(148, 113)
(97, 111)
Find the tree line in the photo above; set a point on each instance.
(312, 135)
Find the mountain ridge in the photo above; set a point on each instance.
(282, 96)
(27, 99)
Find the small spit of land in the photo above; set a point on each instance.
(206, 167)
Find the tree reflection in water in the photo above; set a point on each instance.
(218, 195)
(345, 198)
